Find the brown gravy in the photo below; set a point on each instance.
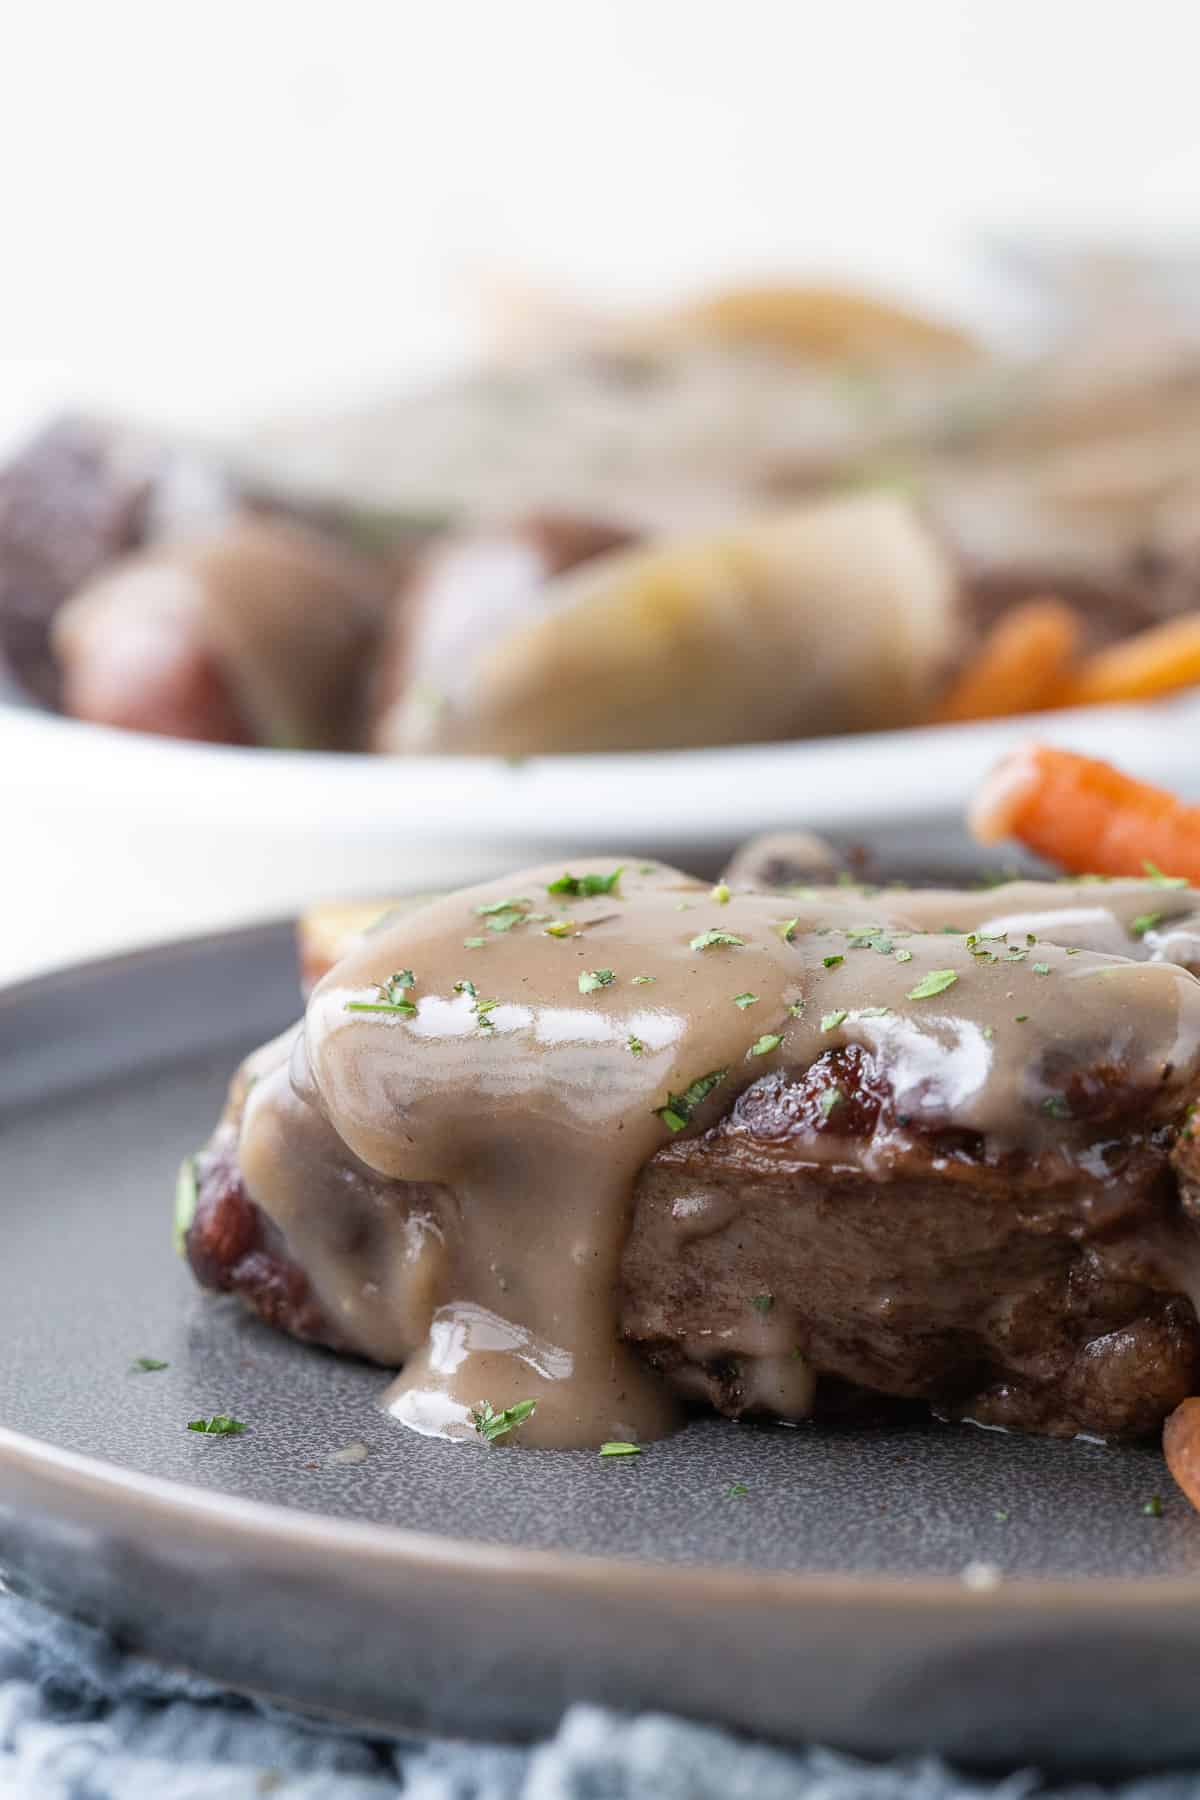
(454, 1169)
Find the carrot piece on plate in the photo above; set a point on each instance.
(1158, 661)
(1086, 816)
(1181, 1444)
(1022, 665)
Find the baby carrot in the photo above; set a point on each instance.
(1021, 666)
(1086, 816)
(1158, 661)
(1181, 1443)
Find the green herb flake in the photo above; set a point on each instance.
(492, 1425)
(936, 982)
(873, 1012)
(988, 1032)
(831, 1020)
(500, 906)
(391, 996)
(1056, 1107)
(560, 928)
(1021, 1018)
(764, 1045)
(583, 887)
(832, 962)
(680, 1107)
(1160, 880)
(786, 928)
(617, 1448)
(720, 894)
(647, 868)
(797, 1007)
(744, 1000)
(641, 980)
(185, 1204)
(1145, 922)
(466, 987)
(635, 1046)
(220, 1425)
(504, 921)
(737, 1490)
(1001, 1515)
(710, 940)
(474, 943)
(831, 1098)
(1153, 1508)
(762, 1302)
(149, 1365)
(1040, 968)
(903, 955)
(591, 979)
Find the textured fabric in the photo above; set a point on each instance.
(81, 1720)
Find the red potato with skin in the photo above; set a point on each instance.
(259, 634)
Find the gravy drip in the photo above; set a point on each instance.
(457, 1180)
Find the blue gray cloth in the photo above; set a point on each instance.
(82, 1720)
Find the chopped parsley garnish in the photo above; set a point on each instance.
(737, 1490)
(709, 940)
(764, 1045)
(936, 982)
(1145, 922)
(391, 996)
(149, 1364)
(1160, 880)
(987, 1032)
(185, 1203)
(744, 1000)
(680, 1107)
(591, 979)
(500, 906)
(474, 943)
(903, 955)
(481, 1009)
(617, 1448)
(560, 928)
(1153, 1508)
(832, 962)
(492, 1425)
(797, 1007)
(872, 1012)
(786, 929)
(762, 1302)
(1040, 968)
(832, 1097)
(831, 1020)
(640, 980)
(505, 920)
(466, 987)
(1056, 1107)
(581, 887)
(1021, 1018)
(635, 1046)
(720, 894)
(870, 937)
(220, 1425)
(1001, 1514)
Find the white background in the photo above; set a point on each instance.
(213, 212)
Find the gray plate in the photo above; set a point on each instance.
(480, 1591)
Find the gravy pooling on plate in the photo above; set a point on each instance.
(449, 1143)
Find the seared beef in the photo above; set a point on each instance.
(1043, 1293)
